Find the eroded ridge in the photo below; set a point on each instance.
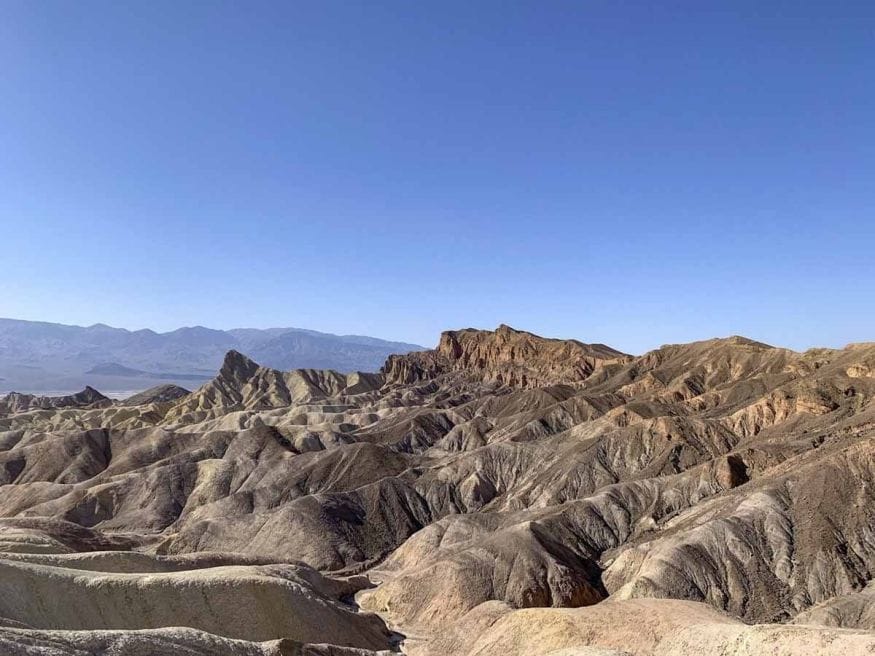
(508, 494)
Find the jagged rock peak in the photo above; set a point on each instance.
(89, 394)
(243, 384)
(506, 356)
(237, 366)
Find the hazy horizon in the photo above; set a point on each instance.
(434, 342)
(94, 324)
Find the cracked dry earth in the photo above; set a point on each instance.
(503, 494)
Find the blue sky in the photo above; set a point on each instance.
(628, 172)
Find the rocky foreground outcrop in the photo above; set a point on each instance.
(501, 494)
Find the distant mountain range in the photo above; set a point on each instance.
(37, 356)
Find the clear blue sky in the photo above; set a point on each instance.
(628, 172)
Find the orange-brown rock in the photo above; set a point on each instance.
(504, 356)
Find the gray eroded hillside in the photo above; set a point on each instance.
(500, 495)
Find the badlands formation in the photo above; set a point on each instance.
(502, 494)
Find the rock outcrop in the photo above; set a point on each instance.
(545, 495)
(244, 385)
(15, 402)
(505, 356)
(158, 394)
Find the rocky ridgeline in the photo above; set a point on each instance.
(508, 494)
(505, 356)
(15, 402)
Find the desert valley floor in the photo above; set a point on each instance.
(500, 495)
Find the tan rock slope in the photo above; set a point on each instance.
(509, 494)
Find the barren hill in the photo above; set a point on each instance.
(501, 494)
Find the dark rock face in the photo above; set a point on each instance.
(505, 356)
(499, 471)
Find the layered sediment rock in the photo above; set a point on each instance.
(498, 482)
